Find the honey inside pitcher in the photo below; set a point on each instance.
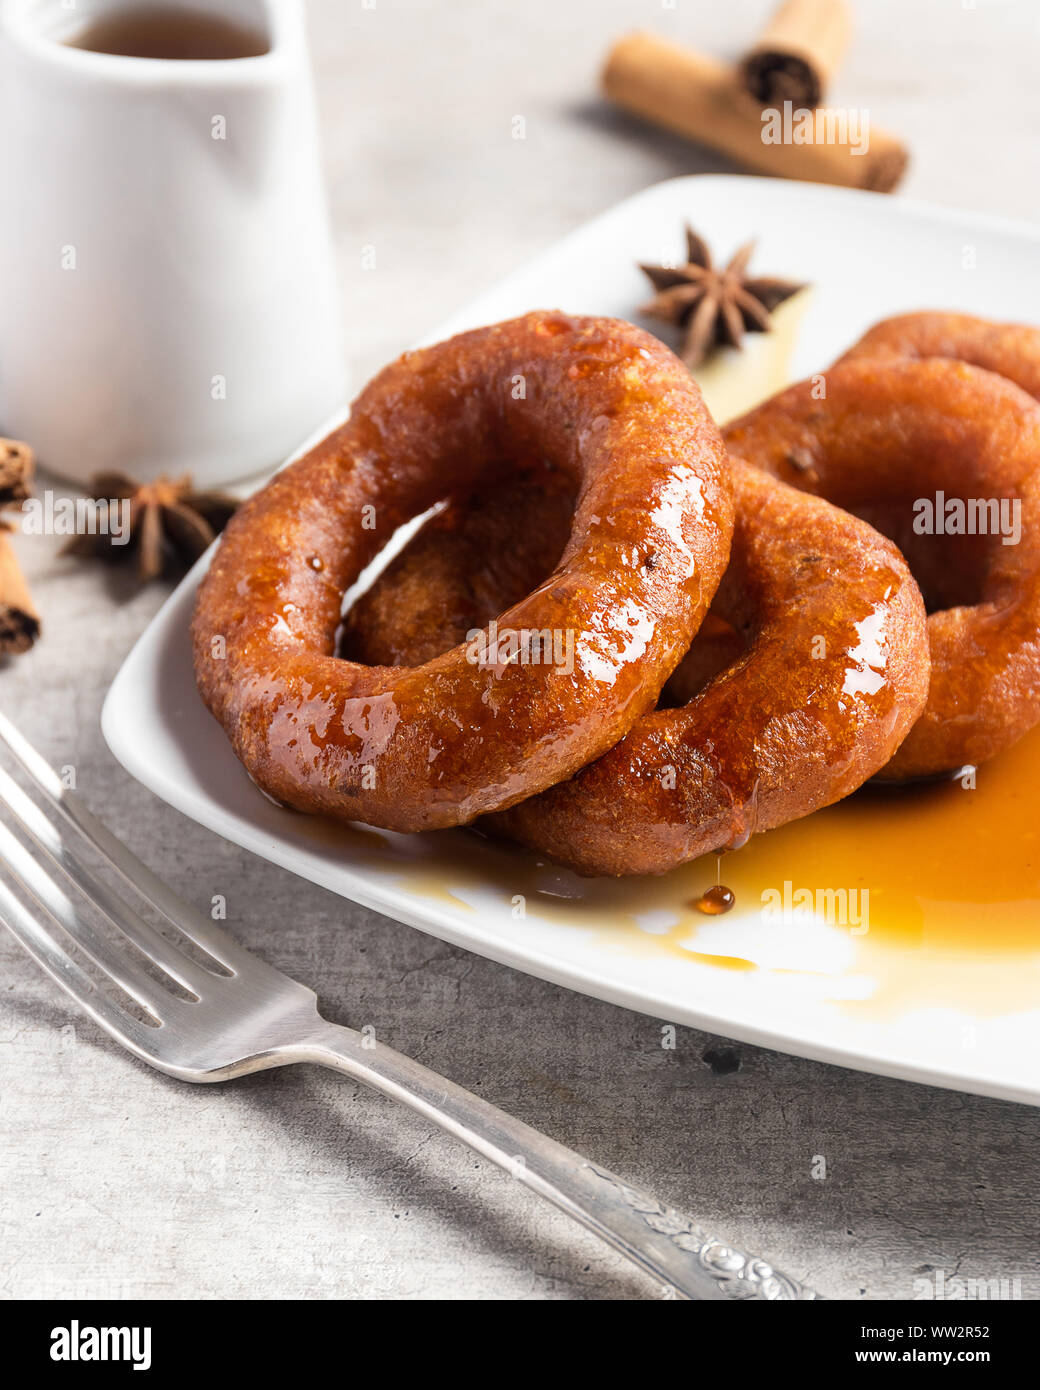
(166, 31)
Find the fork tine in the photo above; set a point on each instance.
(59, 965)
(181, 915)
(49, 894)
(46, 835)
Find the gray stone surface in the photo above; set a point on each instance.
(116, 1181)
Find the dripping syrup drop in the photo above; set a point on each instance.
(716, 900)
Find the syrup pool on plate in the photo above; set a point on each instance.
(946, 865)
(945, 878)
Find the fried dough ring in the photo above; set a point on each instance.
(893, 433)
(833, 672)
(413, 749)
(1009, 349)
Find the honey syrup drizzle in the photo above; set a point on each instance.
(951, 873)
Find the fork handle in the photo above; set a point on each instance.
(667, 1245)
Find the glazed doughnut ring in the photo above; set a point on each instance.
(470, 732)
(1009, 349)
(899, 443)
(832, 673)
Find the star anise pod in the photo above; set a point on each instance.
(714, 306)
(170, 523)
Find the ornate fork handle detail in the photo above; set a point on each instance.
(667, 1245)
(739, 1276)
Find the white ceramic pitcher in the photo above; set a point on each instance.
(167, 295)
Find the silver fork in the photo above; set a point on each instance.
(242, 1015)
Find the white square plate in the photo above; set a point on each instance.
(804, 989)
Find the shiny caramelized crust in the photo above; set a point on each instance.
(889, 436)
(416, 748)
(820, 629)
(478, 556)
(1009, 349)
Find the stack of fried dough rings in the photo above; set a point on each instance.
(624, 638)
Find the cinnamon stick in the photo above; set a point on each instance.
(696, 96)
(16, 471)
(19, 620)
(797, 52)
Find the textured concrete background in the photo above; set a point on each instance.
(117, 1182)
